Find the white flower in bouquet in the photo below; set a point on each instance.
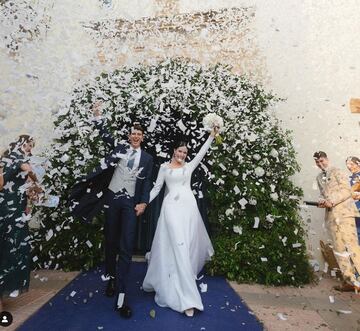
(211, 121)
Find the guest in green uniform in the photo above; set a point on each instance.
(14, 231)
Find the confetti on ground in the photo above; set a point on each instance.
(281, 317)
(152, 313)
(344, 311)
(203, 288)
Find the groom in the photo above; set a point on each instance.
(122, 185)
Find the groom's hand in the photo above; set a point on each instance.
(140, 208)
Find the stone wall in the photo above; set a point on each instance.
(306, 52)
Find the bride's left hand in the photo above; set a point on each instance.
(214, 131)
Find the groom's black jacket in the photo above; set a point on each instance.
(87, 197)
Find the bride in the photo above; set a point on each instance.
(181, 245)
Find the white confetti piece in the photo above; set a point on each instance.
(331, 298)
(341, 311)
(162, 154)
(274, 196)
(103, 165)
(222, 166)
(49, 235)
(281, 317)
(236, 244)
(14, 294)
(72, 294)
(296, 245)
(105, 278)
(99, 195)
(259, 171)
(203, 288)
(152, 125)
(342, 254)
(120, 300)
(278, 269)
(256, 222)
(243, 202)
(88, 242)
(65, 158)
(181, 125)
(35, 258)
(237, 229)
(263, 259)
(236, 190)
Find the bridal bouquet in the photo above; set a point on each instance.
(211, 121)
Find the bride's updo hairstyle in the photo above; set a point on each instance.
(180, 143)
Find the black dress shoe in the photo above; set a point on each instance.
(124, 311)
(110, 288)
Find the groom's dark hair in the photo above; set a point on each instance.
(319, 154)
(137, 126)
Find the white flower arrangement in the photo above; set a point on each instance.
(211, 121)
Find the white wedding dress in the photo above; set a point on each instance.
(181, 245)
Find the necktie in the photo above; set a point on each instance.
(324, 175)
(131, 160)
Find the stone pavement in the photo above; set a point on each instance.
(312, 307)
(44, 284)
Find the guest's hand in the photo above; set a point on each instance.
(140, 208)
(328, 204)
(96, 108)
(321, 203)
(325, 204)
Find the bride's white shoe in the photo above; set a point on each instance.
(189, 312)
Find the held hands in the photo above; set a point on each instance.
(140, 208)
(96, 108)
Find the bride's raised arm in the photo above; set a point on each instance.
(158, 184)
(200, 155)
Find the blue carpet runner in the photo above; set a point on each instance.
(82, 305)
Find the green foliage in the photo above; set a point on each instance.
(257, 232)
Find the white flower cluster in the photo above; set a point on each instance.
(213, 120)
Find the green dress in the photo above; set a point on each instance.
(14, 230)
